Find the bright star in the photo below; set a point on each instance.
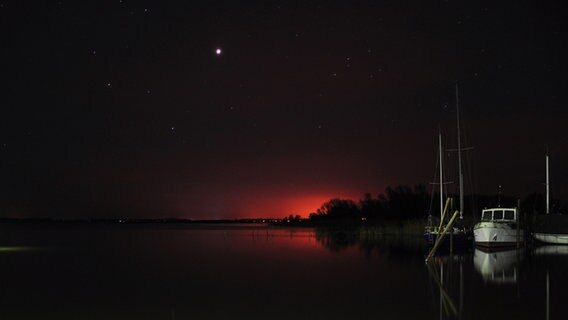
(218, 51)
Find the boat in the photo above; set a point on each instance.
(459, 237)
(455, 237)
(550, 228)
(499, 228)
(555, 232)
(432, 230)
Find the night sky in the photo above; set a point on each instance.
(127, 109)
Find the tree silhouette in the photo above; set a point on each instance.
(404, 202)
(401, 202)
(339, 208)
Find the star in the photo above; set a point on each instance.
(218, 51)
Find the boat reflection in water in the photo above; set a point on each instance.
(498, 266)
(555, 258)
(447, 273)
(551, 250)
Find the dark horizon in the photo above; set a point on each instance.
(531, 205)
(121, 108)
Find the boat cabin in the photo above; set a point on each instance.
(499, 214)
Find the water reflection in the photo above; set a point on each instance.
(552, 250)
(16, 249)
(447, 275)
(498, 267)
(369, 240)
(260, 272)
(555, 259)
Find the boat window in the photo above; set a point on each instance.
(498, 215)
(509, 215)
(486, 216)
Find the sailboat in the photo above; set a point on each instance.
(459, 236)
(456, 237)
(551, 228)
(431, 231)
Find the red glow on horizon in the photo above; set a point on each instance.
(303, 206)
(285, 206)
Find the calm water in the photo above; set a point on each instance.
(261, 272)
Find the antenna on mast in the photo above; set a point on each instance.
(547, 186)
(499, 198)
(441, 173)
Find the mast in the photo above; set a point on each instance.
(459, 153)
(547, 188)
(441, 178)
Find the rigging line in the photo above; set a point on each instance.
(434, 188)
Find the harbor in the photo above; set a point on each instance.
(142, 271)
(349, 160)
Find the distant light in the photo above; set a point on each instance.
(218, 51)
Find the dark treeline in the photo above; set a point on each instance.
(401, 202)
(404, 202)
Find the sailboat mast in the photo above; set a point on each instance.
(547, 188)
(441, 178)
(459, 153)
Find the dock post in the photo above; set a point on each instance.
(452, 241)
(518, 223)
(440, 238)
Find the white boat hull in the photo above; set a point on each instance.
(554, 238)
(496, 234)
